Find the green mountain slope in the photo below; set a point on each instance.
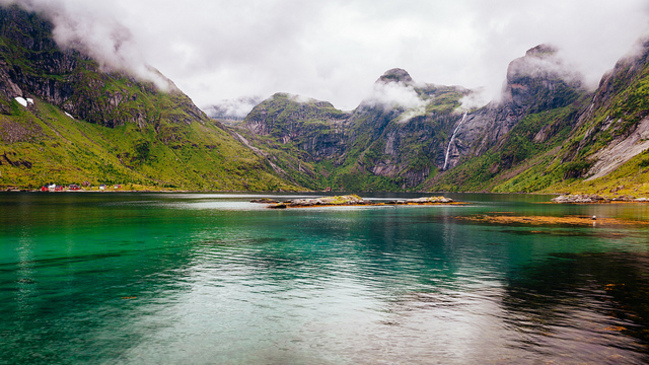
(87, 125)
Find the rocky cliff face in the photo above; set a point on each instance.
(540, 81)
(615, 126)
(396, 75)
(403, 142)
(537, 82)
(27, 52)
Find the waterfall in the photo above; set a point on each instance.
(450, 142)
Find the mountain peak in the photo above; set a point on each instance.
(542, 61)
(396, 75)
(542, 51)
(541, 80)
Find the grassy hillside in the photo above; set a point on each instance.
(42, 144)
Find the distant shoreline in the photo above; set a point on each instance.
(327, 193)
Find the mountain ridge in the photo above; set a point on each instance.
(65, 118)
(83, 123)
(538, 121)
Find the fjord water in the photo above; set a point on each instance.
(214, 279)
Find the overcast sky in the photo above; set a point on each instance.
(335, 50)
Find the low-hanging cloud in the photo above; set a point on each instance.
(87, 28)
(232, 109)
(302, 99)
(544, 61)
(400, 96)
(392, 95)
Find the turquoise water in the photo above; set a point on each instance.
(213, 279)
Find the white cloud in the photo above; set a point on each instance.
(395, 95)
(232, 108)
(94, 29)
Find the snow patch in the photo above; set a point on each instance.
(21, 101)
(69, 115)
(24, 102)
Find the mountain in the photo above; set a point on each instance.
(379, 146)
(615, 127)
(547, 133)
(64, 118)
(535, 83)
(594, 144)
(67, 118)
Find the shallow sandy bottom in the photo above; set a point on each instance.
(548, 220)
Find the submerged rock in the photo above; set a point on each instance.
(278, 206)
(570, 220)
(264, 201)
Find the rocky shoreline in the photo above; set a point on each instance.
(350, 200)
(596, 199)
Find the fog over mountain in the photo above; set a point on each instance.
(216, 50)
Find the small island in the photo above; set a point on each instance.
(353, 200)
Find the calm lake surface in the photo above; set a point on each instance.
(213, 279)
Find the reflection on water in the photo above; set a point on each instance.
(204, 279)
(613, 287)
